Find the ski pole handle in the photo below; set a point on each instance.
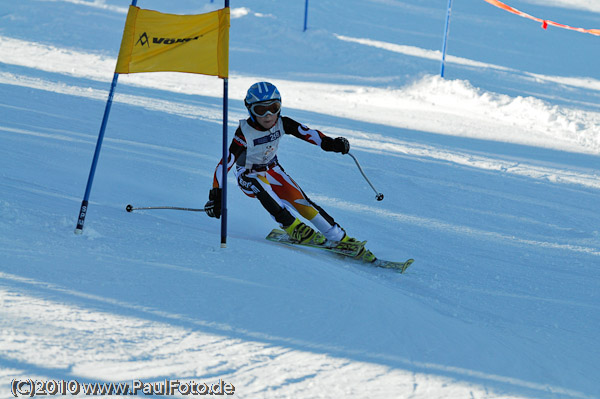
(378, 196)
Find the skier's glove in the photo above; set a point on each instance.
(341, 144)
(213, 206)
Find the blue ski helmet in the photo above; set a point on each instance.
(261, 92)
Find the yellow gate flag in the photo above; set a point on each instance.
(157, 42)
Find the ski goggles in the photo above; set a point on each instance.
(265, 108)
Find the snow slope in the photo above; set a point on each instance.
(491, 181)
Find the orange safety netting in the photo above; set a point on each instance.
(544, 22)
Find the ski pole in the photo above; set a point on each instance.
(378, 196)
(130, 208)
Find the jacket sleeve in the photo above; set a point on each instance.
(305, 133)
(236, 149)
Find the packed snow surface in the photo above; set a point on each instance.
(491, 177)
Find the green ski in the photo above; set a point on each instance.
(350, 250)
(399, 266)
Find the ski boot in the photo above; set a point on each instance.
(302, 233)
(364, 254)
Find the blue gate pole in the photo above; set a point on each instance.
(305, 14)
(445, 36)
(84, 204)
(88, 189)
(225, 163)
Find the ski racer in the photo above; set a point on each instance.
(253, 151)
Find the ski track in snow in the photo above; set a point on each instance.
(142, 356)
(362, 140)
(587, 5)
(580, 4)
(410, 107)
(429, 223)
(435, 55)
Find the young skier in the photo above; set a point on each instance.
(253, 151)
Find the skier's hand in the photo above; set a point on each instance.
(213, 206)
(341, 144)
